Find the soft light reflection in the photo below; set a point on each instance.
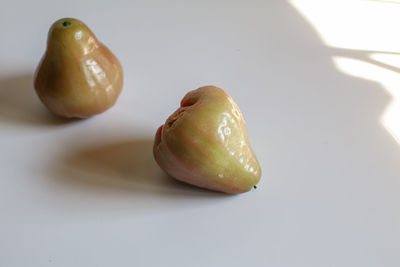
(95, 74)
(364, 26)
(235, 110)
(88, 75)
(78, 35)
(233, 140)
(223, 127)
(91, 45)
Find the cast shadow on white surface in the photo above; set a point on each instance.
(19, 104)
(120, 167)
(366, 56)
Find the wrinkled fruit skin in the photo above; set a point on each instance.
(78, 76)
(205, 143)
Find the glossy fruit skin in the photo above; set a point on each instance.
(78, 76)
(205, 143)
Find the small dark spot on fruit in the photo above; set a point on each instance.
(255, 187)
(66, 23)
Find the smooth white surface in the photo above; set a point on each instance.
(88, 193)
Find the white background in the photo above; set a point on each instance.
(88, 193)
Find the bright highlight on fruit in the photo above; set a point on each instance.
(78, 76)
(205, 143)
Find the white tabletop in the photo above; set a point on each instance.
(317, 82)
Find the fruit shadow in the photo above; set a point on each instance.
(19, 104)
(122, 167)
